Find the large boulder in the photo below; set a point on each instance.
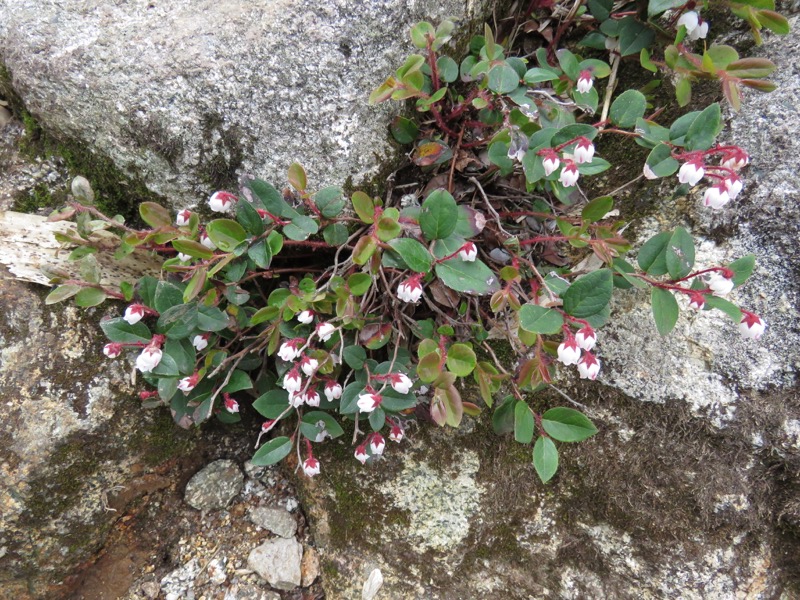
(690, 488)
(185, 95)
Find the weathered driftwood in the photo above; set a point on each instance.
(27, 244)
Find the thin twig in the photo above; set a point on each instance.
(612, 83)
(575, 402)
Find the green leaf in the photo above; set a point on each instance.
(742, 268)
(524, 423)
(597, 209)
(661, 162)
(300, 228)
(503, 417)
(272, 452)
(461, 359)
(335, 234)
(627, 108)
(633, 36)
(704, 129)
(249, 218)
(568, 63)
(413, 253)
(354, 357)
(656, 7)
(364, 207)
(330, 201)
(309, 425)
(652, 257)
(403, 130)
(119, 330)
(438, 216)
(421, 33)
(297, 177)
(260, 253)
(211, 319)
(773, 21)
(545, 458)
(155, 215)
(388, 227)
(428, 367)
(61, 293)
(680, 254)
(538, 319)
(570, 132)
(192, 248)
(448, 69)
(503, 79)
(226, 234)
(589, 294)
(364, 249)
(468, 277)
(725, 306)
(272, 404)
(167, 295)
(178, 322)
(239, 381)
(270, 198)
(567, 425)
(598, 165)
(359, 283)
(537, 75)
(600, 9)
(665, 309)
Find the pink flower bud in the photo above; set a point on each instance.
(735, 159)
(569, 353)
(267, 425)
(400, 383)
(311, 466)
(231, 405)
(361, 454)
(309, 365)
(716, 196)
(206, 241)
(410, 290)
(584, 151)
(306, 317)
(221, 201)
(551, 161)
(691, 172)
(377, 444)
(325, 331)
(312, 398)
(290, 349)
(569, 174)
(112, 350)
(396, 433)
(696, 301)
(200, 342)
(589, 366)
(733, 185)
(134, 313)
(292, 382)
(187, 384)
(148, 359)
(184, 257)
(369, 402)
(183, 217)
(718, 283)
(333, 390)
(648, 172)
(585, 82)
(468, 252)
(586, 338)
(751, 326)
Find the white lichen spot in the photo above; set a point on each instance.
(440, 502)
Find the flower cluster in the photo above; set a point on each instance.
(728, 183)
(582, 152)
(575, 350)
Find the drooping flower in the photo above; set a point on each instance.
(551, 161)
(221, 201)
(396, 433)
(410, 290)
(184, 257)
(325, 331)
(333, 390)
(733, 185)
(569, 353)
(691, 172)
(311, 466)
(361, 454)
(290, 349)
(306, 317)
(718, 283)
(400, 383)
(735, 159)
(700, 32)
(200, 341)
(134, 313)
(312, 398)
(309, 365)
(292, 382)
(468, 252)
(112, 350)
(589, 366)
(584, 151)
(369, 402)
(377, 444)
(585, 81)
(297, 399)
(187, 384)
(648, 172)
(690, 19)
(586, 337)
(751, 326)
(569, 174)
(696, 300)
(206, 241)
(716, 196)
(182, 218)
(148, 359)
